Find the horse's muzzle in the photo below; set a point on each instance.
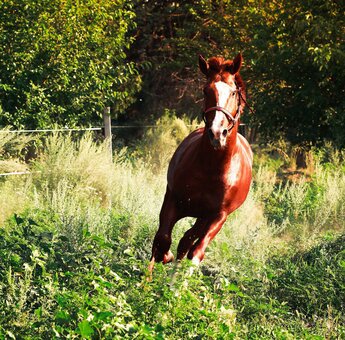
(217, 139)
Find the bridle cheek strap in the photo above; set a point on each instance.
(227, 113)
(231, 119)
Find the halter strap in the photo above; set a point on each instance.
(227, 113)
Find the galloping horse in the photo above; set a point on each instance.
(210, 172)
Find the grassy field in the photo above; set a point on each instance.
(76, 235)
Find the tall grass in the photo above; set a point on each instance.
(14, 196)
(82, 222)
(77, 180)
(13, 190)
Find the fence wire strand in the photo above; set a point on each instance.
(67, 130)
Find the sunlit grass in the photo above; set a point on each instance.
(14, 196)
(81, 223)
(14, 190)
(77, 180)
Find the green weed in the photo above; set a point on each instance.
(76, 234)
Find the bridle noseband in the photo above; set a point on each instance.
(231, 119)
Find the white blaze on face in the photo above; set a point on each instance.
(227, 101)
(224, 92)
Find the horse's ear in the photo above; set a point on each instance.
(236, 64)
(203, 65)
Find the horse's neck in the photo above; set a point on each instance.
(218, 160)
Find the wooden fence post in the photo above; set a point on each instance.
(107, 129)
(108, 139)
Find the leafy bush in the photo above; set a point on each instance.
(312, 282)
(159, 142)
(52, 285)
(64, 76)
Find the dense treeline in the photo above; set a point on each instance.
(62, 62)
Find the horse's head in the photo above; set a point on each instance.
(223, 98)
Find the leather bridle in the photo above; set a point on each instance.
(231, 119)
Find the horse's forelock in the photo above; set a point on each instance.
(215, 64)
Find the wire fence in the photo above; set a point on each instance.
(29, 131)
(88, 129)
(69, 130)
(78, 129)
(51, 130)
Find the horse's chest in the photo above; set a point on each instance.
(198, 194)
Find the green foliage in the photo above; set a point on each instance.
(74, 251)
(62, 62)
(293, 54)
(312, 282)
(92, 286)
(298, 57)
(55, 286)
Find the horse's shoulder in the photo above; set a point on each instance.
(184, 152)
(245, 148)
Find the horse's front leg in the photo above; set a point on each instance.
(197, 252)
(190, 236)
(168, 216)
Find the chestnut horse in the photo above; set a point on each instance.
(210, 173)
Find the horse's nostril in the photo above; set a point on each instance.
(210, 134)
(225, 132)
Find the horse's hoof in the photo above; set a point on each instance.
(150, 269)
(169, 257)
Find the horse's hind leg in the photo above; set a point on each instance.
(189, 238)
(169, 215)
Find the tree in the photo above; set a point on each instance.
(169, 36)
(293, 53)
(62, 62)
(300, 64)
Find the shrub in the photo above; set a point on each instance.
(160, 142)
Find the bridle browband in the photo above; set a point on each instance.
(231, 119)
